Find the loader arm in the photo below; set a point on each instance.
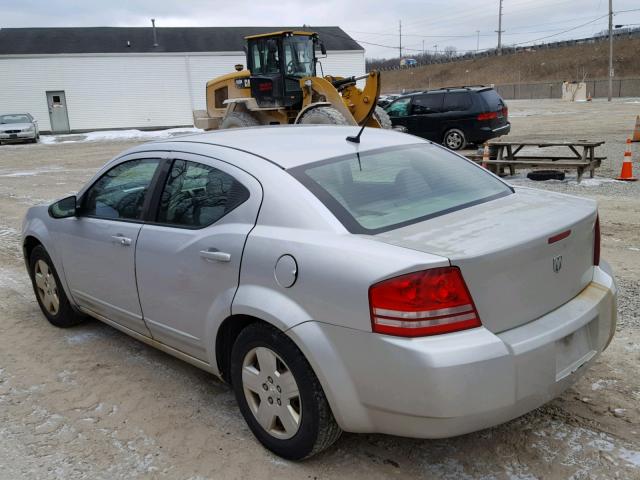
(354, 104)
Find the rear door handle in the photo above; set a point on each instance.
(216, 255)
(122, 240)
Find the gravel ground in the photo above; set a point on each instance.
(90, 402)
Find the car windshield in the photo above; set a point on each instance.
(298, 56)
(385, 189)
(15, 118)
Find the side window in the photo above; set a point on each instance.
(197, 195)
(457, 102)
(430, 103)
(399, 108)
(257, 60)
(120, 193)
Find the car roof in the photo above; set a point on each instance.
(290, 146)
(474, 88)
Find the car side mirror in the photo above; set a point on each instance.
(65, 208)
(323, 49)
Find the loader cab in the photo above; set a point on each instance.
(277, 61)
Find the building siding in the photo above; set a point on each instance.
(127, 91)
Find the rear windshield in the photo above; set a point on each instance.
(493, 100)
(385, 189)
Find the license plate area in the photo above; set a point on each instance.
(574, 350)
(13, 135)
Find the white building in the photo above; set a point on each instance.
(106, 77)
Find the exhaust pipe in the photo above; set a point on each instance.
(155, 36)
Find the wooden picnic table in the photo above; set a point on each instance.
(580, 155)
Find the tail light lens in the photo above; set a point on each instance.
(488, 116)
(265, 86)
(596, 242)
(422, 303)
(505, 112)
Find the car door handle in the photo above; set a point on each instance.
(122, 240)
(216, 255)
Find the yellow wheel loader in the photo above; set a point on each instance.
(280, 87)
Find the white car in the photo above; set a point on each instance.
(18, 127)
(385, 286)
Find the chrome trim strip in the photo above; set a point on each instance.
(422, 314)
(424, 323)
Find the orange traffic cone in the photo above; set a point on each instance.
(485, 156)
(636, 131)
(627, 165)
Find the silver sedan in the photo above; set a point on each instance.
(18, 127)
(385, 286)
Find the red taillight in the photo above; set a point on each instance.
(265, 87)
(488, 116)
(596, 242)
(505, 112)
(422, 303)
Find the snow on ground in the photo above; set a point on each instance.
(118, 135)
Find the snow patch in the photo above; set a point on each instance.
(29, 173)
(602, 384)
(630, 456)
(118, 135)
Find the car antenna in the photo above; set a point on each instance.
(356, 139)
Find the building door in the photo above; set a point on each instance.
(58, 117)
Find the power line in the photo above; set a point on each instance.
(564, 31)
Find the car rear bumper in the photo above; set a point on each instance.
(452, 384)
(483, 134)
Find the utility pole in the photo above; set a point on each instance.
(436, 47)
(400, 24)
(423, 47)
(478, 41)
(610, 50)
(500, 29)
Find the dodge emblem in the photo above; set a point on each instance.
(557, 263)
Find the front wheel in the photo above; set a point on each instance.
(279, 395)
(383, 118)
(49, 291)
(454, 139)
(322, 116)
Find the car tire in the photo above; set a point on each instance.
(295, 420)
(49, 292)
(542, 175)
(454, 139)
(383, 118)
(239, 120)
(322, 116)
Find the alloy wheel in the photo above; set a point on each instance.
(271, 392)
(47, 287)
(454, 140)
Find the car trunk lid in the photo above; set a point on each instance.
(515, 254)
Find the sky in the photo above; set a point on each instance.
(429, 24)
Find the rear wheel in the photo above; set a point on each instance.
(239, 120)
(383, 118)
(454, 139)
(49, 292)
(322, 116)
(279, 395)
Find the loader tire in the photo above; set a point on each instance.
(239, 120)
(322, 116)
(383, 118)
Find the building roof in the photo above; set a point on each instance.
(33, 41)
